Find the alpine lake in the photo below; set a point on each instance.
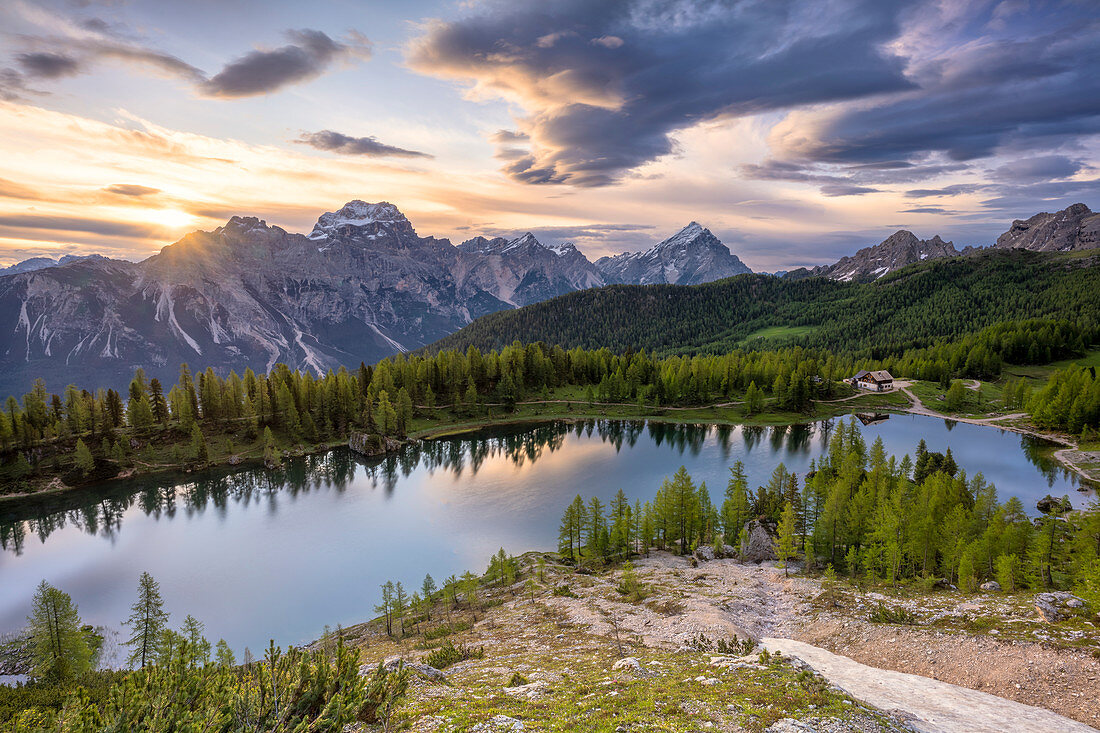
(260, 554)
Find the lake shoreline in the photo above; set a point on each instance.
(714, 414)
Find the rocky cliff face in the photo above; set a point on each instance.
(1073, 228)
(898, 250)
(691, 256)
(523, 270)
(362, 285)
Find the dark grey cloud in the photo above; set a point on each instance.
(48, 65)
(1035, 87)
(843, 180)
(12, 224)
(606, 83)
(926, 210)
(131, 189)
(953, 190)
(336, 142)
(1040, 168)
(308, 55)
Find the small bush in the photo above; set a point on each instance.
(736, 646)
(449, 654)
(517, 680)
(563, 590)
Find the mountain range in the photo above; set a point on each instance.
(360, 286)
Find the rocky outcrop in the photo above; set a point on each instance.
(691, 256)
(1073, 228)
(1049, 505)
(372, 445)
(896, 251)
(990, 586)
(1053, 607)
(759, 546)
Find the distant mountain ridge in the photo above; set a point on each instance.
(1073, 228)
(691, 256)
(360, 286)
(900, 249)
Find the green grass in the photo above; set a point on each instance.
(779, 333)
(1042, 373)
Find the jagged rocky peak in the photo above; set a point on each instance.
(896, 251)
(483, 245)
(1075, 227)
(359, 215)
(691, 256)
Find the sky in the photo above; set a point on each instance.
(796, 130)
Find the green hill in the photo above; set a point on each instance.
(913, 307)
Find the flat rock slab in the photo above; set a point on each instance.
(931, 706)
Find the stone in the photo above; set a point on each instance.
(531, 691)
(759, 547)
(990, 585)
(705, 553)
(499, 723)
(1053, 606)
(1049, 505)
(630, 664)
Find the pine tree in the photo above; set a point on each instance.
(427, 592)
(148, 621)
(223, 655)
(785, 542)
(198, 648)
(59, 650)
(199, 451)
(85, 462)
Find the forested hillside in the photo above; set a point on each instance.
(913, 307)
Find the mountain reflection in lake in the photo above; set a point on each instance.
(259, 553)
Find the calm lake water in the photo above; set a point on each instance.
(259, 554)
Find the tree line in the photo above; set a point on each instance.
(858, 511)
(914, 307)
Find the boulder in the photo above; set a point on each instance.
(531, 691)
(372, 444)
(633, 666)
(1049, 505)
(759, 546)
(990, 585)
(705, 553)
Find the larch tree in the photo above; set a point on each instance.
(147, 623)
(59, 651)
(785, 542)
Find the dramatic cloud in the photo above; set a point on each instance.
(309, 54)
(605, 84)
(974, 92)
(48, 65)
(335, 142)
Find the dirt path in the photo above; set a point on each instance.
(723, 598)
(929, 705)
